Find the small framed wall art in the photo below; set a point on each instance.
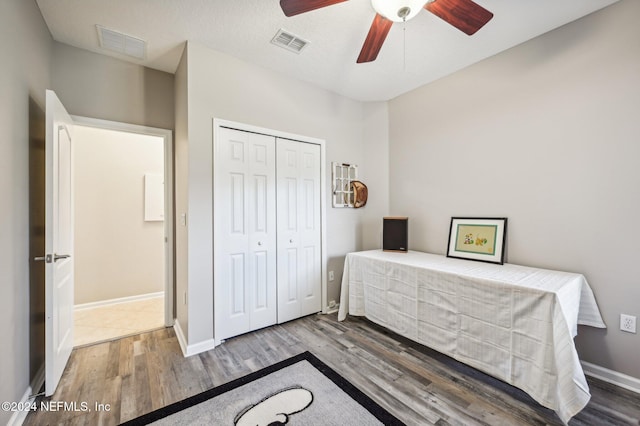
(477, 238)
(342, 175)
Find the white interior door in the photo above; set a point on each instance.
(299, 229)
(244, 232)
(58, 242)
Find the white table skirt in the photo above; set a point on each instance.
(513, 322)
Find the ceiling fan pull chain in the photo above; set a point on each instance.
(404, 47)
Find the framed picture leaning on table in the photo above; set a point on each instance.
(478, 238)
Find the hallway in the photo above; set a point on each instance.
(102, 323)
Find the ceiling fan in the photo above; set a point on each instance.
(465, 15)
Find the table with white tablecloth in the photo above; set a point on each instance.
(513, 322)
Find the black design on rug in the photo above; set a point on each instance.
(358, 397)
(276, 408)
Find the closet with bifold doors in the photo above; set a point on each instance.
(267, 230)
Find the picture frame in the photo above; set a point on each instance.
(342, 176)
(478, 238)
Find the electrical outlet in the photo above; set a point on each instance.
(332, 304)
(331, 276)
(628, 323)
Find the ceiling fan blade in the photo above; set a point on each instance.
(465, 15)
(296, 7)
(373, 43)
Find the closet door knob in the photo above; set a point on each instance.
(259, 243)
(291, 241)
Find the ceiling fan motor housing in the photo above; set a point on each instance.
(403, 12)
(398, 10)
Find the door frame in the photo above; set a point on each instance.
(169, 248)
(220, 123)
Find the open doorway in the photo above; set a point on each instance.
(122, 216)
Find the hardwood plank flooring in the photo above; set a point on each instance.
(138, 374)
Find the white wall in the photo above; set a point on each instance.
(547, 135)
(25, 46)
(118, 254)
(225, 87)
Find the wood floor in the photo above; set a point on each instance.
(138, 374)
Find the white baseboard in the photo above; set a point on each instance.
(182, 341)
(200, 347)
(109, 302)
(610, 376)
(19, 417)
(189, 350)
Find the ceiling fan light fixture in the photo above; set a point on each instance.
(398, 10)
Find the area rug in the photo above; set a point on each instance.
(301, 390)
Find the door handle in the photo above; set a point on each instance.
(50, 258)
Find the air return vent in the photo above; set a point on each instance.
(121, 43)
(289, 41)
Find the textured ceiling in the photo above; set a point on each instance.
(416, 53)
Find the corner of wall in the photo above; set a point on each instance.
(181, 159)
(375, 171)
(191, 349)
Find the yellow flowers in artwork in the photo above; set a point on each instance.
(470, 240)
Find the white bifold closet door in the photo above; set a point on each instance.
(244, 232)
(267, 231)
(299, 232)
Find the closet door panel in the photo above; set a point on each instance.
(299, 255)
(230, 254)
(287, 215)
(236, 282)
(262, 289)
(244, 233)
(310, 230)
(262, 231)
(290, 279)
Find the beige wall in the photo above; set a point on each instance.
(117, 253)
(375, 173)
(25, 46)
(181, 191)
(98, 86)
(224, 87)
(547, 135)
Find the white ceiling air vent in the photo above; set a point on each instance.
(289, 41)
(121, 43)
